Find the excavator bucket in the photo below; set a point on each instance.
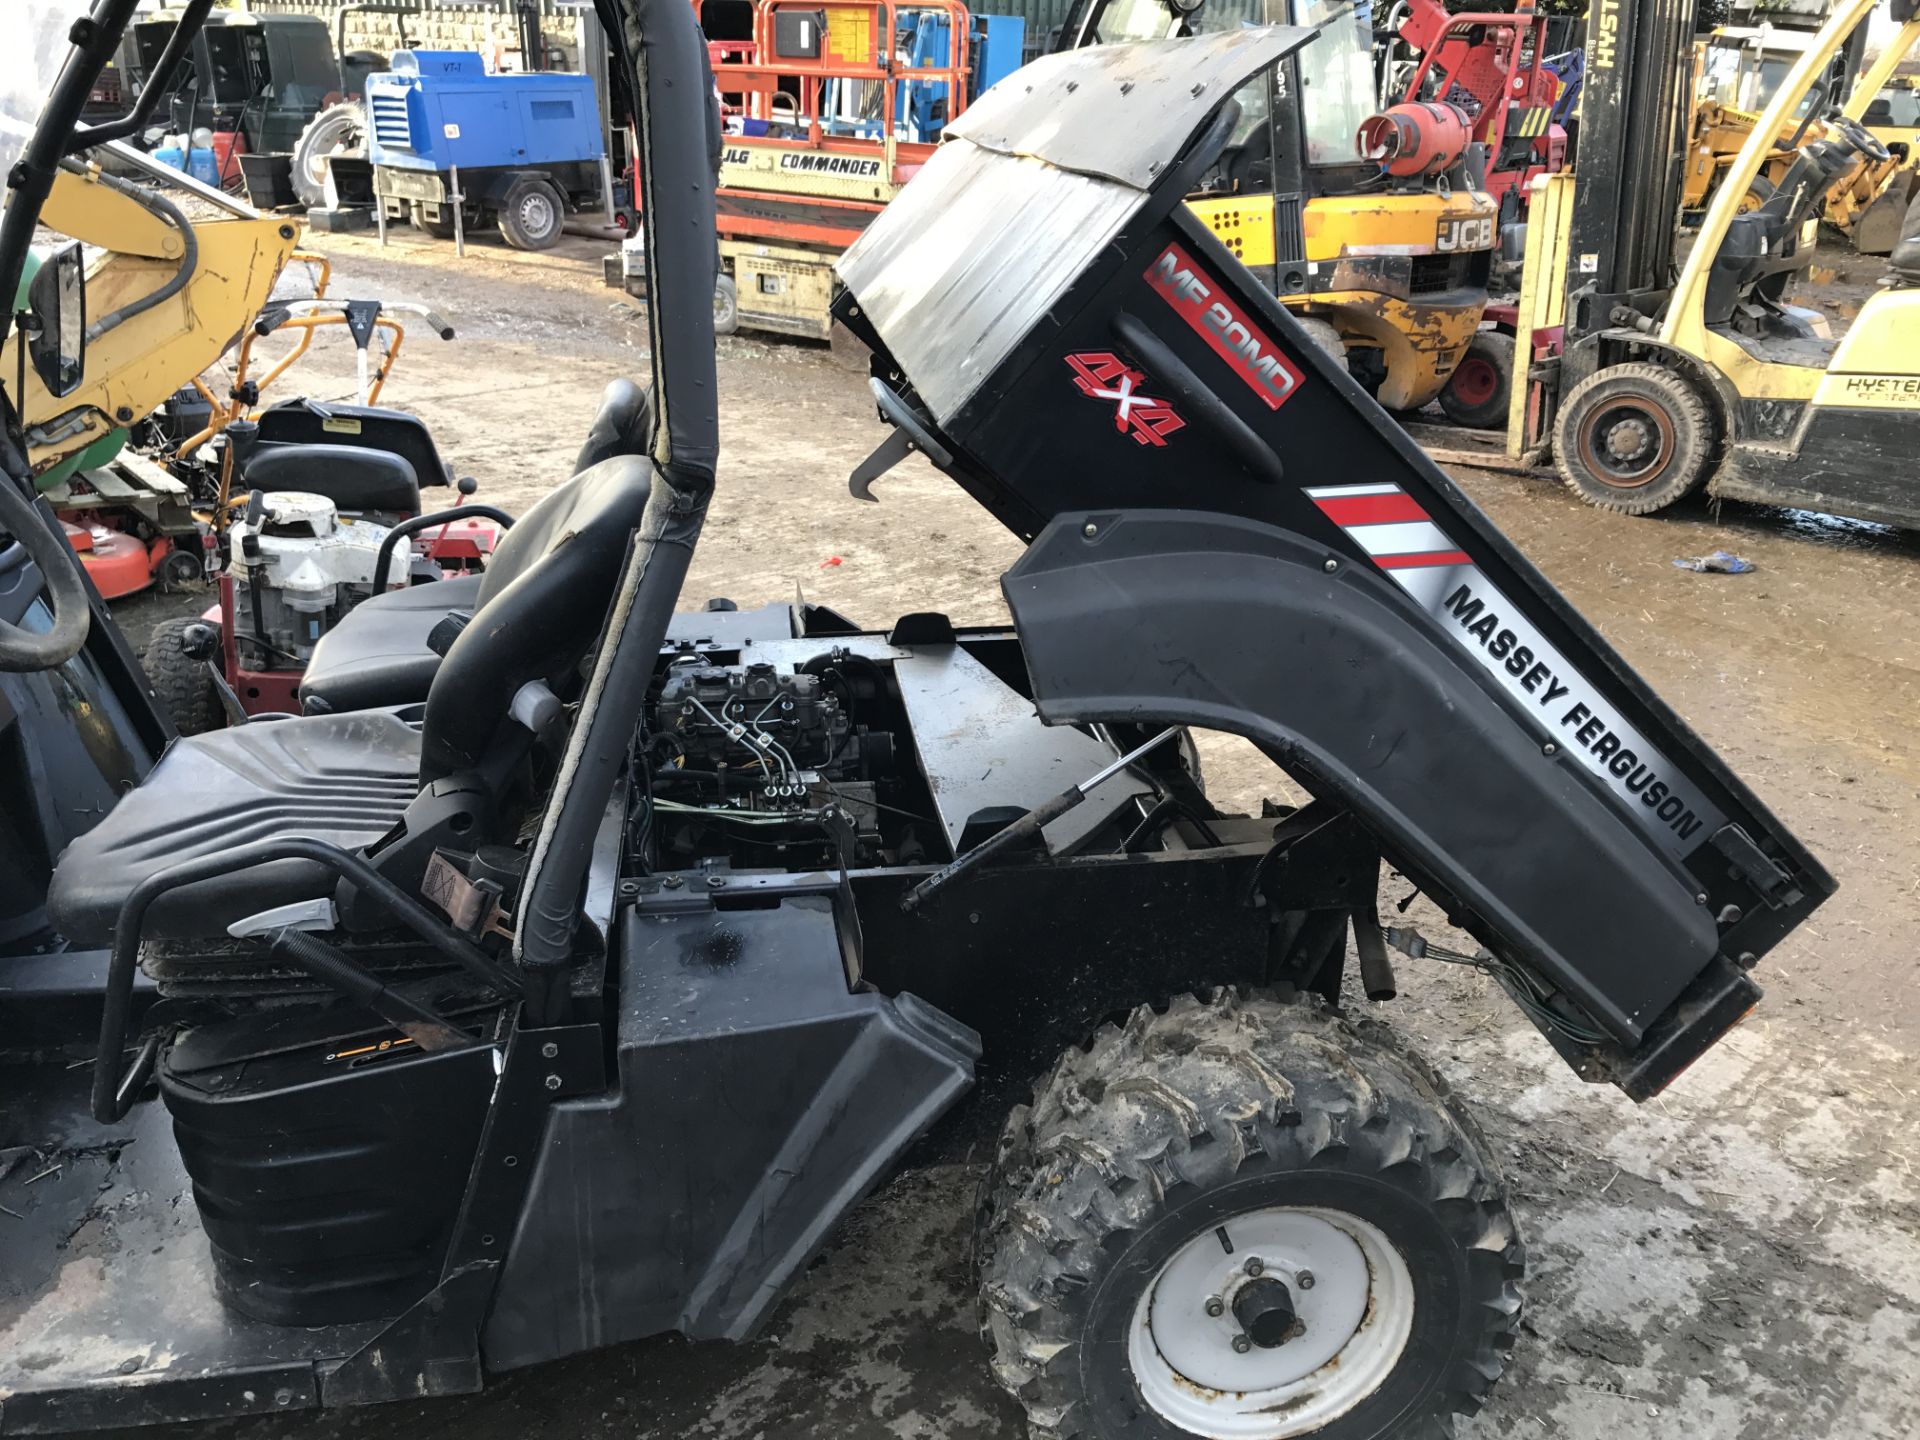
(1877, 228)
(1225, 531)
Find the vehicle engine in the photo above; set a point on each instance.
(784, 768)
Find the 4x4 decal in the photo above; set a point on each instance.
(1102, 375)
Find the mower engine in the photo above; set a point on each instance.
(298, 565)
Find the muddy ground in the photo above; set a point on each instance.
(1740, 1258)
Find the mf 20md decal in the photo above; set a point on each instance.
(1248, 351)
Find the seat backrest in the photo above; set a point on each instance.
(299, 421)
(539, 613)
(624, 425)
(356, 480)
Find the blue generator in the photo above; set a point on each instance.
(525, 149)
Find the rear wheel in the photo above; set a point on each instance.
(531, 215)
(339, 129)
(1477, 391)
(182, 684)
(726, 306)
(1245, 1219)
(441, 229)
(1633, 438)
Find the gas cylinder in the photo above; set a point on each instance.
(1415, 139)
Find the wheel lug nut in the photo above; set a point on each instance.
(1304, 1280)
(1242, 1344)
(1255, 1265)
(1216, 1306)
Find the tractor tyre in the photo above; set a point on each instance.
(532, 215)
(1245, 1217)
(340, 129)
(1325, 336)
(183, 685)
(1633, 438)
(726, 306)
(1477, 391)
(441, 229)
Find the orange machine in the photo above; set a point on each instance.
(830, 106)
(822, 136)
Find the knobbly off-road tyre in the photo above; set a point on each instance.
(1139, 1157)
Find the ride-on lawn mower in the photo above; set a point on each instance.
(579, 1002)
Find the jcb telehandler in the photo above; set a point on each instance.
(578, 1003)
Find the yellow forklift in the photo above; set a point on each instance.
(1667, 380)
(1388, 269)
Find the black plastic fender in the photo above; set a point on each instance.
(1190, 617)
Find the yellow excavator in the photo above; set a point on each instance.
(1736, 74)
(175, 271)
(172, 272)
(1398, 244)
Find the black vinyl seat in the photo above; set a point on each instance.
(300, 421)
(347, 778)
(346, 781)
(378, 654)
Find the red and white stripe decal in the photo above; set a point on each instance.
(1395, 531)
(1389, 524)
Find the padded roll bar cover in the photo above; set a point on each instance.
(662, 56)
(1188, 617)
(542, 603)
(670, 87)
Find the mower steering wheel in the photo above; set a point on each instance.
(28, 650)
(1860, 138)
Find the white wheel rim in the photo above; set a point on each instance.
(1352, 1297)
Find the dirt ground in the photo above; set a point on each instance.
(1740, 1258)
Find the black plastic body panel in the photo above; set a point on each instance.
(1484, 644)
(327, 1179)
(72, 741)
(756, 1100)
(1413, 735)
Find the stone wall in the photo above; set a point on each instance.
(492, 29)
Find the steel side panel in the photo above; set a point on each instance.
(1334, 674)
(980, 749)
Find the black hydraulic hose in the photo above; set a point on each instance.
(427, 522)
(113, 1090)
(154, 201)
(32, 524)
